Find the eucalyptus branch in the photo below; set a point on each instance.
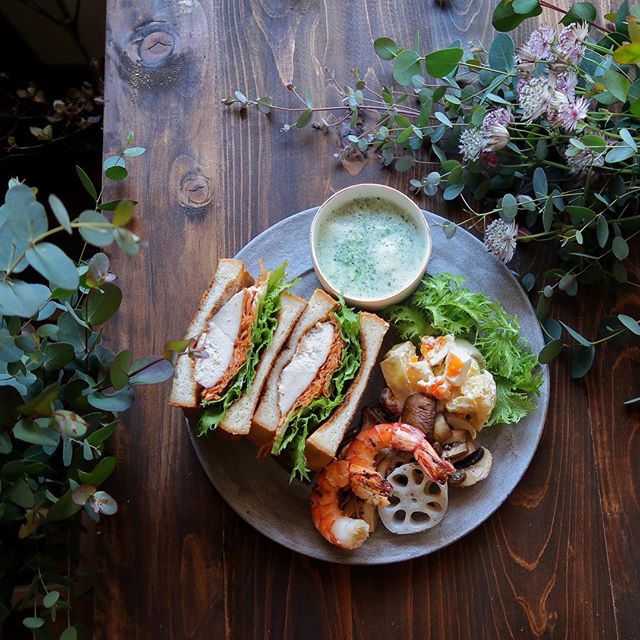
(544, 137)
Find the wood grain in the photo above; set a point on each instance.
(559, 559)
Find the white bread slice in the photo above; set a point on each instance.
(322, 444)
(238, 418)
(266, 419)
(231, 276)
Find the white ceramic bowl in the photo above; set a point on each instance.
(400, 200)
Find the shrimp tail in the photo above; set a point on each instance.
(370, 486)
(434, 466)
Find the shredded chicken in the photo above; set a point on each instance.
(320, 384)
(243, 343)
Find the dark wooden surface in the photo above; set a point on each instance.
(559, 559)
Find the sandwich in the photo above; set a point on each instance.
(316, 383)
(238, 330)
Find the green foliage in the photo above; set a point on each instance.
(441, 305)
(574, 183)
(60, 389)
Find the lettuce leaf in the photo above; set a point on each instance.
(264, 327)
(442, 305)
(292, 438)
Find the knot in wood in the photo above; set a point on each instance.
(195, 191)
(156, 47)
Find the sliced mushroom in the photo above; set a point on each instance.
(420, 411)
(457, 477)
(479, 470)
(455, 451)
(470, 459)
(389, 403)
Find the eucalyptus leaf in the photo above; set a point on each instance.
(64, 508)
(57, 355)
(54, 264)
(102, 304)
(385, 48)
(86, 183)
(550, 351)
(630, 323)
(95, 228)
(620, 248)
(576, 336)
(502, 53)
(100, 472)
(406, 65)
(24, 215)
(119, 370)
(582, 361)
(441, 63)
(116, 402)
(617, 84)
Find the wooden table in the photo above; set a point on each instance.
(559, 558)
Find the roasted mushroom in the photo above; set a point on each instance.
(476, 466)
(389, 403)
(457, 477)
(420, 411)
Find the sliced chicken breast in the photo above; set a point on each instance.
(218, 341)
(230, 326)
(307, 374)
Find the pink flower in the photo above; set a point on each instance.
(538, 48)
(565, 82)
(500, 238)
(571, 42)
(494, 128)
(537, 98)
(584, 161)
(569, 114)
(472, 143)
(501, 116)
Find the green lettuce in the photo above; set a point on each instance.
(264, 327)
(442, 305)
(292, 438)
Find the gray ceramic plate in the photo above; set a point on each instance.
(260, 491)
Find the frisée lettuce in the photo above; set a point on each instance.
(292, 437)
(441, 305)
(264, 327)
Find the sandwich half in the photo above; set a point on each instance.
(317, 381)
(230, 277)
(238, 340)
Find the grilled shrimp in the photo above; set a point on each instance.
(357, 471)
(328, 518)
(401, 437)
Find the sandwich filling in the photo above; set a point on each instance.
(233, 342)
(309, 371)
(314, 383)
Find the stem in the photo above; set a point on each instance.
(74, 225)
(392, 107)
(134, 373)
(553, 7)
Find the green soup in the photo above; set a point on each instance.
(369, 248)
